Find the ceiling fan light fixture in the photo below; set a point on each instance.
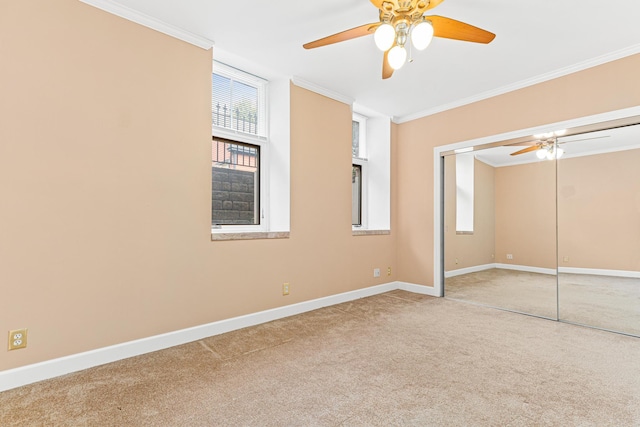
(397, 57)
(541, 153)
(559, 153)
(384, 36)
(421, 35)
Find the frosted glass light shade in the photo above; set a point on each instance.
(559, 153)
(397, 57)
(384, 37)
(421, 35)
(541, 153)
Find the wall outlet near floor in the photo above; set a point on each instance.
(376, 272)
(509, 256)
(388, 271)
(285, 289)
(17, 339)
(456, 260)
(565, 259)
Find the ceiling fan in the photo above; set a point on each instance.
(547, 145)
(401, 20)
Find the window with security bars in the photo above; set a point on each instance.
(238, 101)
(235, 195)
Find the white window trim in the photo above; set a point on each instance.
(376, 172)
(275, 190)
(250, 80)
(261, 140)
(264, 185)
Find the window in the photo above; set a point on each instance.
(238, 101)
(358, 170)
(235, 183)
(356, 195)
(464, 193)
(239, 127)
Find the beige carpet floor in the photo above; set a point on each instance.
(396, 359)
(606, 302)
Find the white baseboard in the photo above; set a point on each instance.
(467, 270)
(418, 289)
(527, 268)
(600, 272)
(516, 267)
(24, 375)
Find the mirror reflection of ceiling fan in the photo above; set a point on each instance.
(547, 145)
(401, 20)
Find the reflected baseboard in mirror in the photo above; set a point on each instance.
(578, 214)
(521, 291)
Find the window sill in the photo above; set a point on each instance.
(250, 235)
(370, 232)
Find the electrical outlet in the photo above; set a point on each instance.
(509, 256)
(17, 339)
(456, 260)
(388, 271)
(376, 272)
(285, 289)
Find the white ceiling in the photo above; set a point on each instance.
(587, 144)
(536, 40)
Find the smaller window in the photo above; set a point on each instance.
(235, 195)
(238, 101)
(358, 171)
(359, 136)
(464, 193)
(356, 195)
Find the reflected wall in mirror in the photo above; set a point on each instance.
(599, 229)
(509, 259)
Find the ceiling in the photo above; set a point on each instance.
(586, 144)
(536, 41)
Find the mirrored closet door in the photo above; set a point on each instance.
(599, 229)
(548, 227)
(506, 255)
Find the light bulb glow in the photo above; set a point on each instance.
(397, 57)
(541, 153)
(559, 153)
(384, 37)
(560, 132)
(421, 35)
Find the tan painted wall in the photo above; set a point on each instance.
(105, 190)
(477, 248)
(526, 214)
(599, 211)
(608, 87)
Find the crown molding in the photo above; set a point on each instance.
(561, 72)
(322, 91)
(150, 22)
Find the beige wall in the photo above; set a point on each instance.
(526, 214)
(608, 87)
(467, 250)
(105, 184)
(599, 211)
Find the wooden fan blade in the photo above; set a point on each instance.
(387, 71)
(526, 150)
(362, 30)
(451, 29)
